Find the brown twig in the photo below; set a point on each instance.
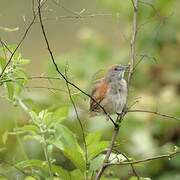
(65, 8)
(133, 40)
(121, 116)
(132, 166)
(45, 87)
(4, 45)
(164, 156)
(112, 143)
(154, 112)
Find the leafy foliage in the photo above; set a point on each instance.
(48, 132)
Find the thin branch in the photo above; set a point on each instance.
(59, 72)
(45, 87)
(121, 116)
(109, 151)
(153, 8)
(81, 126)
(85, 16)
(155, 113)
(133, 40)
(33, 8)
(4, 44)
(30, 78)
(132, 166)
(20, 42)
(3, 47)
(164, 156)
(65, 8)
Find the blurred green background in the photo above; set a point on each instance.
(88, 46)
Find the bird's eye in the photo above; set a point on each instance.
(116, 69)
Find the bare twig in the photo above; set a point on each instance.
(133, 40)
(152, 6)
(121, 116)
(112, 143)
(85, 16)
(155, 113)
(65, 8)
(45, 87)
(160, 18)
(4, 44)
(132, 166)
(30, 78)
(33, 8)
(164, 156)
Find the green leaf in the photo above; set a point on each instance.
(33, 115)
(94, 145)
(56, 117)
(36, 137)
(133, 178)
(29, 178)
(62, 173)
(2, 63)
(66, 138)
(31, 129)
(66, 141)
(2, 149)
(61, 113)
(73, 154)
(42, 165)
(5, 137)
(76, 158)
(24, 61)
(10, 90)
(77, 174)
(141, 178)
(92, 138)
(105, 178)
(96, 163)
(95, 149)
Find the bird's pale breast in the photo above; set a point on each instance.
(116, 97)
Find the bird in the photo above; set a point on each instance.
(110, 92)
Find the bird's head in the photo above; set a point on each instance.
(116, 72)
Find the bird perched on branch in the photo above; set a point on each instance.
(110, 92)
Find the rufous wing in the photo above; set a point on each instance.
(98, 94)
